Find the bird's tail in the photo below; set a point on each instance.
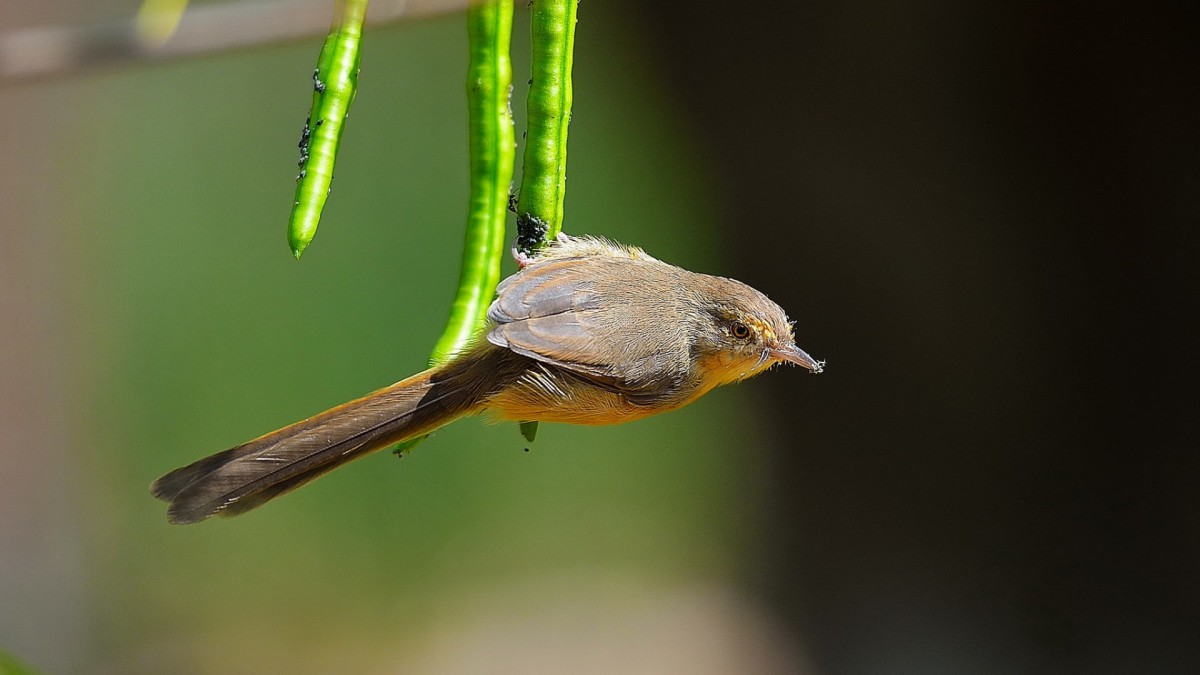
(249, 475)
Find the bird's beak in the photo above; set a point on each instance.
(793, 354)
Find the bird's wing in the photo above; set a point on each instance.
(552, 312)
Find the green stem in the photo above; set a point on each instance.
(335, 82)
(548, 110)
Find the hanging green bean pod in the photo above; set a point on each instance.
(548, 115)
(335, 81)
(492, 149)
(548, 110)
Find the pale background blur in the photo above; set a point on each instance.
(983, 214)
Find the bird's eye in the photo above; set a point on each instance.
(739, 330)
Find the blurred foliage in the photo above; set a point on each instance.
(10, 665)
(187, 343)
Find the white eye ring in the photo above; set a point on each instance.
(739, 330)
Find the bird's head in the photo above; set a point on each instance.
(741, 333)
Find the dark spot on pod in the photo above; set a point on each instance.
(305, 133)
(531, 232)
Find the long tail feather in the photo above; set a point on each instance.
(249, 475)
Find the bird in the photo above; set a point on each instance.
(587, 332)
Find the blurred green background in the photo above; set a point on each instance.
(167, 320)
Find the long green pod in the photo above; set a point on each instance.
(492, 149)
(548, 115)
(548, 111)
(335, 82)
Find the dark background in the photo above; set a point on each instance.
(984, 216)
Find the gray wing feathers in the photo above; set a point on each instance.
(545, 290)
(562, 339)
(553, 312)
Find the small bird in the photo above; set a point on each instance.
(588, 332)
